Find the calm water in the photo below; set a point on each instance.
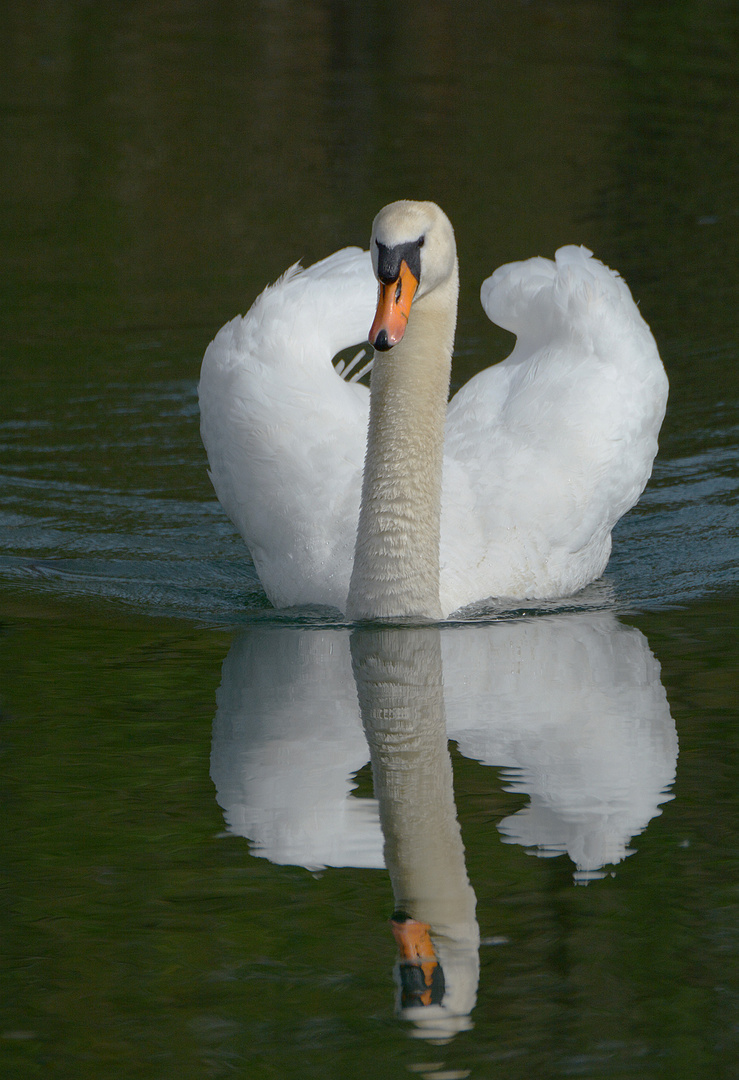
(211, 809)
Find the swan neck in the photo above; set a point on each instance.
(396, 563)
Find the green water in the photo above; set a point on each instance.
(167, 738)
(142, 941)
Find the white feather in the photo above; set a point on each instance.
(544, 452)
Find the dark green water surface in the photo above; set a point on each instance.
(192, 879)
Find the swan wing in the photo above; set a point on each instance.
(285, 434)
(548, 449)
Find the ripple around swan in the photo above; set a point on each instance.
(182, 557)
(112, 501)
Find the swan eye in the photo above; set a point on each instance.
(421, 241)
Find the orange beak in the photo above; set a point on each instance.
(393, 308)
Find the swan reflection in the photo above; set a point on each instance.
(287, 741)
(570, 706)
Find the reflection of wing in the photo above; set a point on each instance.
(285, 434)
(573, 707)
(287, 740)
(547, 450)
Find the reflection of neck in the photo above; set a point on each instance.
(399, 683)
(396, 563)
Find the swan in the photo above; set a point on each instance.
(391, 503)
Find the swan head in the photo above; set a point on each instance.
(413, 252)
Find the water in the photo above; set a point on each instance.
(196, 799)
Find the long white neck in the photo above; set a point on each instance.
(396, 561)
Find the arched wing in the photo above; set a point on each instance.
(548, 449)
(285, 434)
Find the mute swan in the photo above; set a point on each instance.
(540, 454)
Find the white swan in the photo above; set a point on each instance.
(542, 453)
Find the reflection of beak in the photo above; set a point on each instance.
(393, 308)
(421, 977)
